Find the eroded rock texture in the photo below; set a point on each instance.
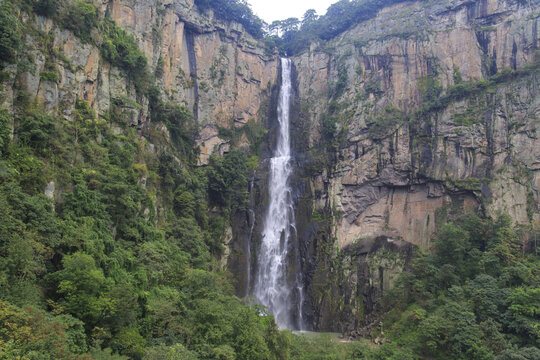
(405, 163)
(216, 68)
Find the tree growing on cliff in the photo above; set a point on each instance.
(10, 33)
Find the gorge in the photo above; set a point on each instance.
(164, 170)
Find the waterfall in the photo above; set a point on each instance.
(275, 287)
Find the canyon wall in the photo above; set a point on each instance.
(435, 107)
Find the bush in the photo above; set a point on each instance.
(46, 7)
(121, 50)
(175, 352)
(235, 10)
(81, 18)
(5, 130)
(10, 33)
(385, 121)
(179, 122)
(36, 129)
(84, 288)
(32, 334)
(339, 17)
(227, 180)
(129, 342)
(529, 353)
(49, 76)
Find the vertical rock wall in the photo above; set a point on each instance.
(214, 67)
(403, 162)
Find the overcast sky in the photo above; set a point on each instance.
(270, 10)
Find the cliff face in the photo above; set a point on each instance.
(385, 60)
(404, 161)
(216, 68)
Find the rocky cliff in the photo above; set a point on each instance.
(431, 109)
(214, 67)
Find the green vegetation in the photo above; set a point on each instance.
(10, 33)
(179, 122)
(46, 7)
(80, 17)
(293, 36)
(111, 237)
(384, 121)
(435, 99)
(121, 262)
(49, 76)
(121, 50)
(227, 180)
(253, 131)
(321, 346)
(97, 270)
(477, 296)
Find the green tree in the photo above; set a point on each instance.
(129, 342)
(451, 244)
(84, 289)
(524, 311)
(32, 334)
(529, 353)
(81, 18)
(487, 297)
(10, 33)
(5, 130)
(227, 180)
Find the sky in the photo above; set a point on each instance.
(270, 10)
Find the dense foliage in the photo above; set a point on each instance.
(110, 273)
(292, 35)
(477, 296)
(120, 49)
(120, 258)
(10, 33)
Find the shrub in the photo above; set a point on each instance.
(5, 130)
(10, 33)
(385, 121)
(36, 129)
(46, 7)
(121, 49)
(227, 179)
(179, 122)
(129, 342)
(49, 76)
(81, 17)
(32, 334)
(235, 10)
(83, 287)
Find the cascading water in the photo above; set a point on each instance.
(274, 287)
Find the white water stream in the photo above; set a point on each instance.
(274, 287)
